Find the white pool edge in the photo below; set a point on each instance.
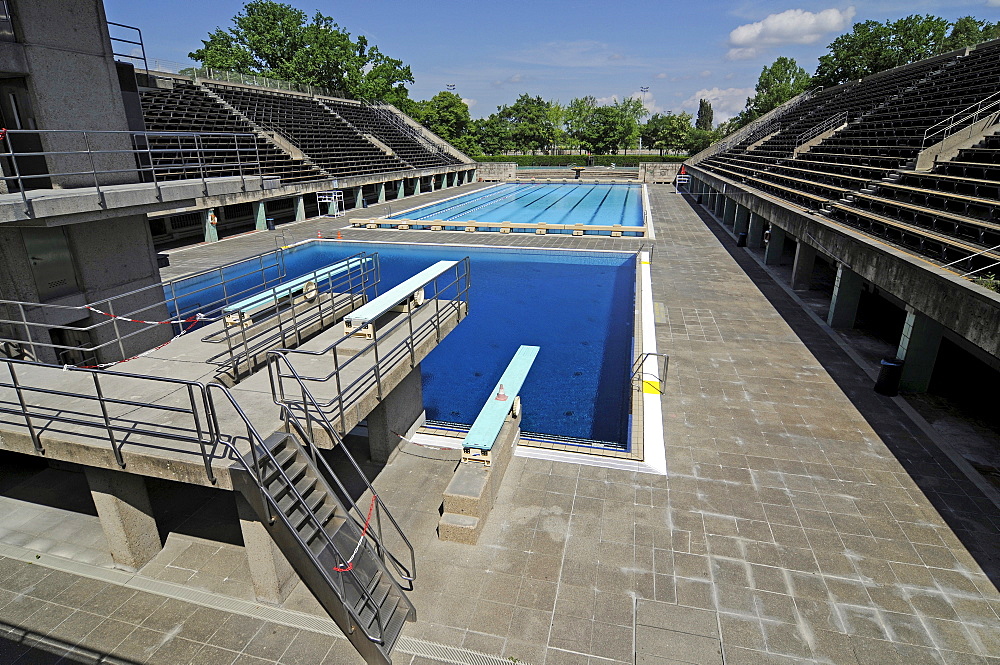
(653, 443)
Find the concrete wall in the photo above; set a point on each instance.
(658, 171)
(496, 170)
(970, 311)
(73, 84)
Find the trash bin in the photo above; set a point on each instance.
(270, 223)
(889, 376)
(741, 240)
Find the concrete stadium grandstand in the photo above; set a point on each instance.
(287, 378)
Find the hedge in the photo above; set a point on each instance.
(580, 160)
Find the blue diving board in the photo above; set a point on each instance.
(378, 306)
(485, 430)
(271, 296)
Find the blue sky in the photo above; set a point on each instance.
(681, 50)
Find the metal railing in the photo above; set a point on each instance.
(448, 300)
(287, 320)
(389, 117)
(117, 327)
(261, 81)
(830, 123)
(115, 41)
(640, 376)
(75, 159)
(983, 109)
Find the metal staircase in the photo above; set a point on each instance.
(336, 549)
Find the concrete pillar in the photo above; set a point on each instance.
(918, 347)
(397, 414)
(272, 576)
(741, 219)
(126, 516)
(846, 295)
(755, 231)
(380, 191)
(775, 245)
(728, 212)
(401, 189)
(416, 186)
(209, 222)
(802, 269)
(259, 216)
(720, 204)
(300, 208)
(431, 183)
(359, 196)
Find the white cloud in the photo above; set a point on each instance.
(515, 78)
(469, 102)
(793, 26)
(705, 73)
(726, 102)
(663, 75)
(993, 3)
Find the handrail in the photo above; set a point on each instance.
(142, 47)
(459, 285)
(833, 121)
(660, 378)
(311, 411)
(965, 117)
(271, 506)
(150, 156)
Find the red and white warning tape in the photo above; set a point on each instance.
(197, 317)
(193, 321)
(357, 548)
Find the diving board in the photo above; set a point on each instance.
(361, 321)
(478, 443)
(308, 284)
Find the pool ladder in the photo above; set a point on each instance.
(655, 383)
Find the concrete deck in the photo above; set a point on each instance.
(805, 519)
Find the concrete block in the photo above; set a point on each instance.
(126, 516)
(460, 528)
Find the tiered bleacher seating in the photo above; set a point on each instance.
(863, 174)
(393, 134)
(188, 108)
(327, 139)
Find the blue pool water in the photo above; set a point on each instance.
(603, 204)
(577, 306)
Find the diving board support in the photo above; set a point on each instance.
(486, 452)
(403, 297)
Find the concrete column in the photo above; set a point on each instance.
(272, 576)
(846, 295)
(126, 516)
(380, 190)
(755, 231)
(918, 347)
(401, 189)
(741, 219)
(399, 413)
(802, 269)
(259, 216)
(431, 183)
(300, 208)
(720, 204)
(775, 246)
(358, 196)
(209, 222)
(416, 186)
(728, 212)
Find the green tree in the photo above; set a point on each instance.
(447, 115)
(699, 139)
(629, 111)
(667, 132)
(968, 31)
(531, 127)
(705, 115)
(873, 47)
(777, 84)
(277, 40)
(492, 135)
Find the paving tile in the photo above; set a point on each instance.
(677, 618)
(673, 644)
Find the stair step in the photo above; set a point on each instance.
(310, 495)
(276, 484)
(395, 625)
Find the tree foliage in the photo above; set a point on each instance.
(777, 84)
(706, 115)
(447, 115)
(277, 40)
(872, 47)
(604, 129)
(668, 132)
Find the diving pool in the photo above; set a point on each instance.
(577, 306)
(523, 203)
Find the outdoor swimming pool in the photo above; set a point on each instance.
(589, 204)
(577, 306)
